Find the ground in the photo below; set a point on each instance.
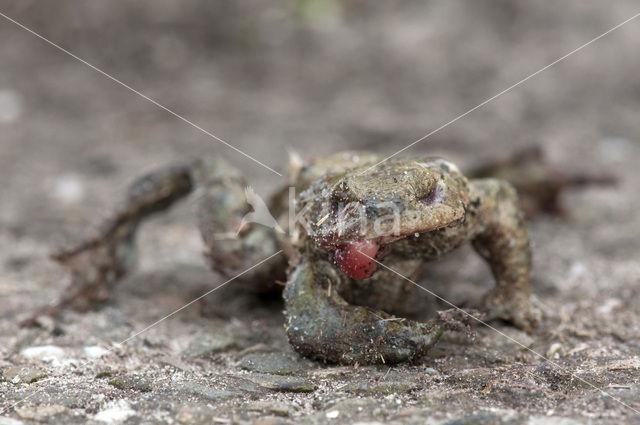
(315, 76)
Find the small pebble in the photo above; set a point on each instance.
(119, 412)
(332, 414)
(554, 351)
(609, 305)
(95, 351)
(68, 189)
(45, 353)
(9, 421)
(40, 413)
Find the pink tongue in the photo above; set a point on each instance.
(353, 258)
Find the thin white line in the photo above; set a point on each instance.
(504, 91)
(502, 333)
(6, 409)
(197, 299)
(208, 133)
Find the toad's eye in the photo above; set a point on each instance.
(433, 197)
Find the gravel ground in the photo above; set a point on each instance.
(316, 76)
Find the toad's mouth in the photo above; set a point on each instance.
(357, 259)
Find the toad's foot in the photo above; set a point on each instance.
(458, 320)
(516, 309)
(99, 262)
(323, 326)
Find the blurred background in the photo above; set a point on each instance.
(316, 77)
(313, 76)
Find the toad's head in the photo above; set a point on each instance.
(359, 212)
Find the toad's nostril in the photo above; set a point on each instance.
(335, 208)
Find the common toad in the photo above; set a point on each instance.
(354, 238)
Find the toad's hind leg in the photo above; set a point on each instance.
(503, 240)
(538, 183)
(239, 230)
(99, 262)
(323, 326)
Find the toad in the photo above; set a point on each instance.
(354, 240)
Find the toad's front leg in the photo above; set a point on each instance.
(323, 326)
(503, 240)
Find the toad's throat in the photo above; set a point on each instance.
(356, 259)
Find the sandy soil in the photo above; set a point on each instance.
(316, 76)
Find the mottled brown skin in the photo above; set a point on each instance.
(329, 315)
